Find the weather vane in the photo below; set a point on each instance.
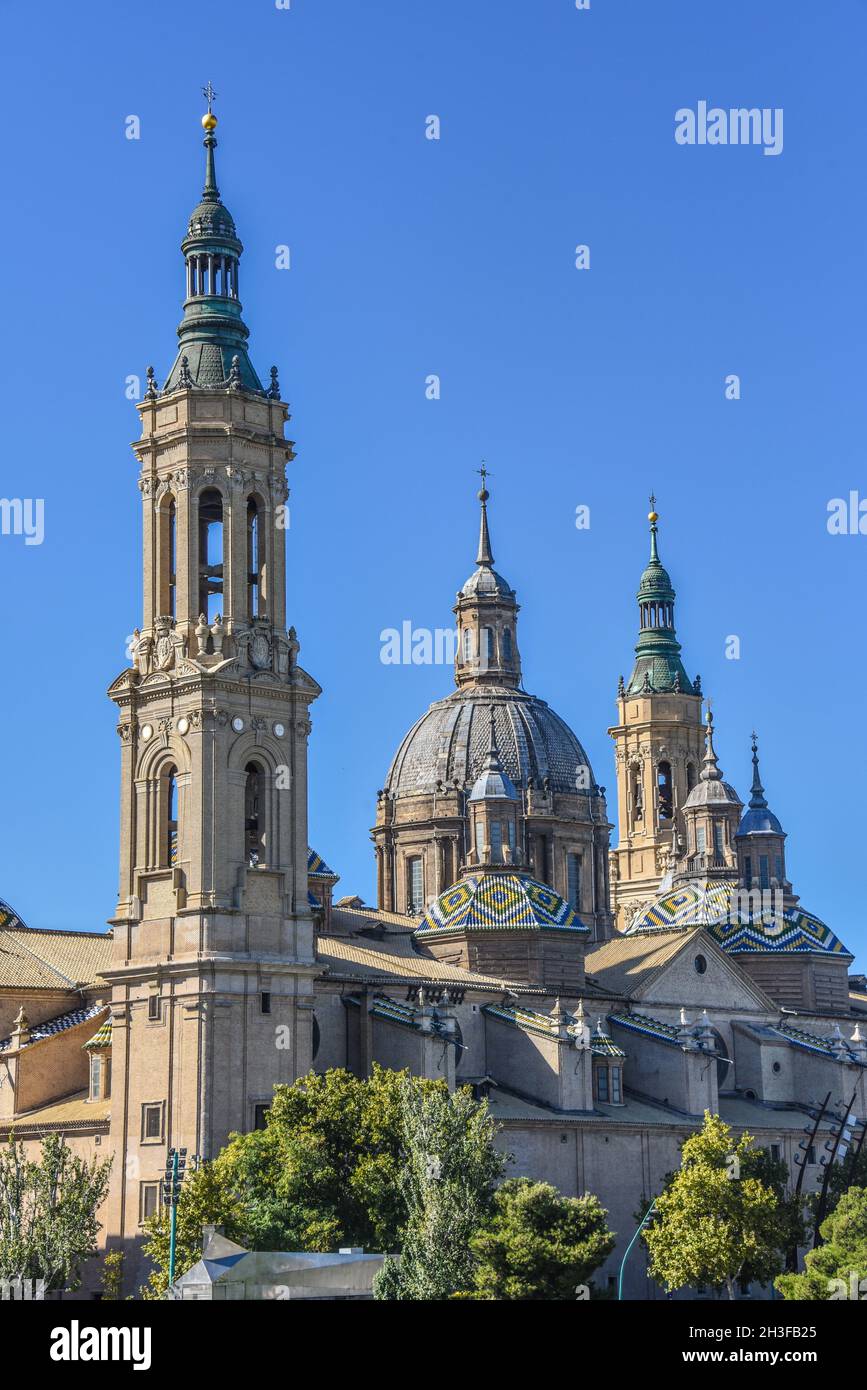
(208, 93)
(653, 502)
(485, 473)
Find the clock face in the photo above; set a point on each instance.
(279, 730)
(183, 726)
(147, 732)
(237, 723)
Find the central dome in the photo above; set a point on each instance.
(449, 744)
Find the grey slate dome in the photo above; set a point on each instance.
(710, 788)
(758, 819)
(450, 744)
(488, 584)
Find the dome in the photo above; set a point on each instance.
(211, 219)
(450, 744)
(727, 914)
(758, 820)
(9, 918)
(712, 792)
(486, 583)
(497, 902)
(655, 582)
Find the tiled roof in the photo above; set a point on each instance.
(32, 959)
(102, 1036)
(717, 906)
(58, 1025)
(317, 867)
(497, 902)
(355, 918)
(627, 962)
(649, 1027)
(395, 959)
(73, 1110)
(826, 1045)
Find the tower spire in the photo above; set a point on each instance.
(212, 353)
(757, 791)
(710, 767)
(210, 192)
(658, 668)
(485, 555)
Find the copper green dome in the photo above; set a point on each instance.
(212, 350)
(658, 667)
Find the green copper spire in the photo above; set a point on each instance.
(213, 337)
(658, 667)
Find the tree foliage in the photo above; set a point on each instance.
(48, 1221)
(446, 1179)
(539, 1244)
(325, 1172)
(719, 1218)
(838, 1268)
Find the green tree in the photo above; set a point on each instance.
(718, 1219)
(207, 1198)
(446, 1179)
(539, 1244)
(323, 1173)
(838, 1268)
(48, 1221)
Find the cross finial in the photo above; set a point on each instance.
(485, 473)
(208, 93)
(652, 500)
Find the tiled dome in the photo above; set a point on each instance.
(497, 902)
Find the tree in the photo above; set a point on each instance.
(207, 1198)
(48, 1221)
(837, 1269)
(323, 1173)
(446, 1179)
(539, 1244)
(718, 1219)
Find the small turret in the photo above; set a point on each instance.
(487, 612)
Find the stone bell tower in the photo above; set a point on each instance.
(658, 746)
(212, 1001)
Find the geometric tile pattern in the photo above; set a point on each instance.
(317, 867)
(709, 904)
(102, 1036)
(58, 1025)
(494, 902)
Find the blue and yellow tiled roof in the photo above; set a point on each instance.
(101, 1038)
(317, 867)
(498, 902)
(714, 906)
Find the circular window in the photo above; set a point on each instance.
(700, 965)
(777, 1067)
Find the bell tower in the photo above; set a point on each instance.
(212, 1001)
(658, 745)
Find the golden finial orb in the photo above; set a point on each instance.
(209, 120)
(652, 516)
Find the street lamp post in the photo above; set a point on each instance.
(175, 1168)
(644, 1220)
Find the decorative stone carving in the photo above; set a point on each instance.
(141, 652)
(202, 631)
(169, 646)
(218, 632)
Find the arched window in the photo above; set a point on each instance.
(507, 644)
(166, 556)
(210, 554)
(254, 561)
(690, 776)
(254, 839)
(171, 803)
(468, 644)
(664, 797)
(637, 795)
(487, 645)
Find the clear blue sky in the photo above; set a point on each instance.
(412, 257)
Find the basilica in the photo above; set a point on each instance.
(600, 994)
